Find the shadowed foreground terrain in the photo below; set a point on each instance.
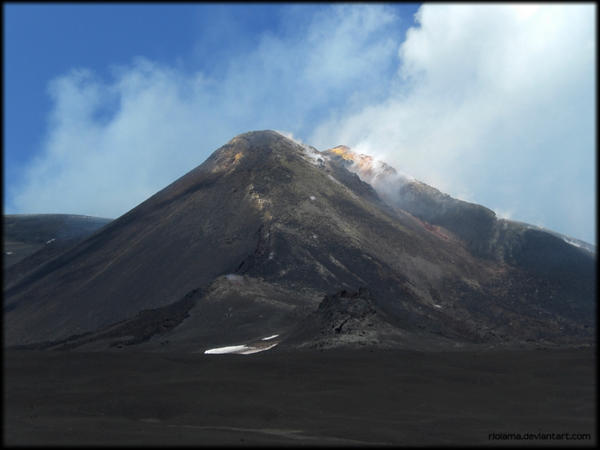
(335, 397)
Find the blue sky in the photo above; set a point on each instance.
(105, 104)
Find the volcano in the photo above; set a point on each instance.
(269, 237)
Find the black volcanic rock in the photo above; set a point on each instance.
(260, 232)
(342, 319)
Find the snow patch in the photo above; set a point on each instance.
(51, 240)
(238, 349)
(234, 278)
(230, 349)
(437, 306)
(313, 198)
(8, 253)
(569, 241)
(269, 337)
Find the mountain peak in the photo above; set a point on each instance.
(246, 150)
(256, 144)
(261, 139)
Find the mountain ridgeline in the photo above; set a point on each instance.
(33, 239)
(322, 249)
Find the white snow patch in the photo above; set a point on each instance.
(569, 241)
(269, 337)
(8, 253)
(230, 349)
(437, 306)
(314, 236)
(313, 198)
(234, 278)
(51, 240)
(271, 255)
(238, 349)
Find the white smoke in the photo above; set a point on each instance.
(112, 142)
(491, 103)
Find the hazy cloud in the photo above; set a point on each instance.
(490, 103)
(113, 142)
(493, 104)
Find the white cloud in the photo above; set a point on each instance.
(490, 103)
(496, 104)
(111, 143)
(105, 166)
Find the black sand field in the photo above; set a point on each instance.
(298, 398)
